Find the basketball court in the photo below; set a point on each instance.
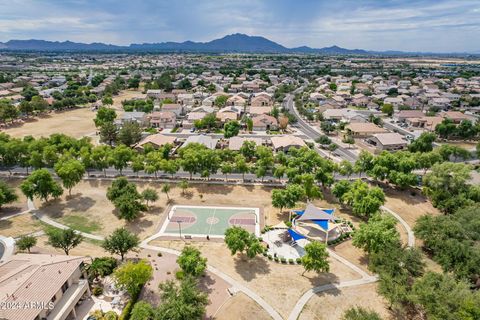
(200, 221)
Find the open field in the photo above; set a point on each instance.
(243, 307)
(279, 284)
(76, 123)
(19, 225)
(331, 304)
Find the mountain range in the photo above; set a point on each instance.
(231, 43)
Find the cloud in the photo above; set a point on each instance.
(426, 25)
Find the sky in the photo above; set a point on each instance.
(407, 25)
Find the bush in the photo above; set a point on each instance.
(159, 254)
(291, 261)
(179, 275)
(96, 291)
(260, 239)
(299, 260)
(128, 309)
(265, 253)
(270, 257)
(283, 260)
(276, 259)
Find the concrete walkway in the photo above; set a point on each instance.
(411, 236)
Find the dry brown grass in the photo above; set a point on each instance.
(19, 225)
(243, 307)
(330, 305)
(279, 284)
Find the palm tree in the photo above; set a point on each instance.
(166, 189)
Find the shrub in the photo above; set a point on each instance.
(159, 254)
(291, 261)
(125, 315)
(96, 291)
(276, 259)
(179, 275)
(270, 257)
(283, 260)
(265, 253)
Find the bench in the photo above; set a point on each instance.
(189, 237)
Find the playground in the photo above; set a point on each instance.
(203, 221)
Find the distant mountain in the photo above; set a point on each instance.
(231, 43)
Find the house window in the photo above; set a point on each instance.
(54, 298)
(65, 286)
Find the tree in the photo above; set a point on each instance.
(316, 257)
(364, 162)
(231, 129)
(107, 100)
(377, 235)
(149, 194)
(240, 240)
(108, 133)
(104, 115)
(120, 157)
(71, 172)
(191, 262)
(249, 123)
(130, 133)
(101, 158)
(221, 101)
(41, 184)
(132, 276)
(346, 168)
(359, 313)
(29, 92)
(442, 297)
(7, 194)
(166, 190)
(125, 197)
(446, 185)
(142, 310)
(241, 165)
(183, 185)
(226, 169)
(424, 143)
(388, 109)
(364, 200)
(181, 302)
(26, 243)
(283, 123)
(101, 267)
(65, 239)
(327, 127)
(312, 191)
(120, 242)
(248, 149)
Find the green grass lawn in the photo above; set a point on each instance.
(80, 223)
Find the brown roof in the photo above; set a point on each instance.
(287, 141)
(33, 277)
(391, 138)
(235, 143)
(366, 127)
(264, 119)
(410, 114)
(158, 140)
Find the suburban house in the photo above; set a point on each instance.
(154, 93)
(191, 118)
(362, 130)
(236, 100)
(226, 115)
(428, 123)
(235, 143)
(403, 115)
(207, 141)
(56, 284)
(261, 100)
(264, 122)
(156, 141)
(163, 119)
(260, 110)
(390, 141)
(134, 116)
(283, 143)
(173, 107)
(456, 116)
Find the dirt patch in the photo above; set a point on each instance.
(409, 207)
(353, 254)
(19, 225)
(333, 303)
(280, 285)
(243, 307)
(76, 123)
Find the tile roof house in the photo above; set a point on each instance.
(367, 129)
(163, 119)
(173, 107)
(262, 100)
(264, 122)
(235, 143)
(390, 141)
(402, 115)
(54, 282)
(156, 141)
(283, 143)
(207, 141)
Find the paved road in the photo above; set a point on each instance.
(312, 133)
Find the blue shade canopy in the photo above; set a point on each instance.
(314, 213)
(299, 212)
(322, 223)
(295, 235)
